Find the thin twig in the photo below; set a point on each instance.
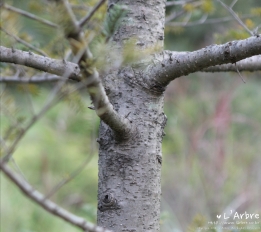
(70, 11)
(23, 42)
(233, 3)
(18, 169)
(10, 116)
(48, 205)
(207, 21)
(91, 13)
(29, 98)
(174, 15)
(236, 17)
(51, 101)
(35, 118)
(69, 178)
(172, 3)
(29, 15)
(239, 73)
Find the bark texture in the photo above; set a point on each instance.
(130, 170)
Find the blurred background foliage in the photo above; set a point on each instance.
(211, 151)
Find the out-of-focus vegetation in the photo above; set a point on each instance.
(211, 151)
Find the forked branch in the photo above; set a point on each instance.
(169, 65)
(102, 105)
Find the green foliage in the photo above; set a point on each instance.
(113, 20)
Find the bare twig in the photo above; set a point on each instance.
(91, 13)
(239, 73)
(235, 16)
(207, 21)
(233, 3)
(48, 205)
(35, 118)
(46, 64)
(103, 107)
(35, 79)
(29, 15)
(174, 15)
(71, 177)
(23, 42)
(173, 3)
(18, 169)
(249, 64)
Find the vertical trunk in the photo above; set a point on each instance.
(129, 170)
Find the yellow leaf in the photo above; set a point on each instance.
(249, 23)
(207, 7)
(188, 7)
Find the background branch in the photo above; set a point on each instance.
(34, 79)
(29, 15)
(207, 21)
(250, 64)
(23, 42)
(91, 13)
(48, 205)
(230, 10)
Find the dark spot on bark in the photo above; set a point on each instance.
(170, 57)
(140, 43)
(160, 37)
(159, 159)
(228, 55)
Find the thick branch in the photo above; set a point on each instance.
(102, 105)
(170, 65)
(48, 205)
(250, 64)
(42, 63)
(104, 108)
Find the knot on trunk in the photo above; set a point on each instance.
(108, 202)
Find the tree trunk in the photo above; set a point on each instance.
(129, 170)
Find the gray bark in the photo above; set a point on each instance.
(129, 170)
(46, 64)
